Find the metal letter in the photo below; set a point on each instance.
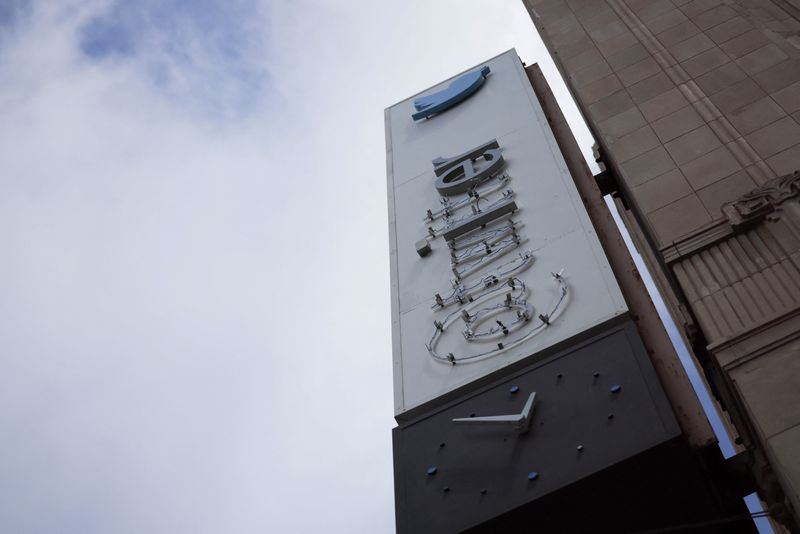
(461, 173)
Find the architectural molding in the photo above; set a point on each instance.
(742, 214)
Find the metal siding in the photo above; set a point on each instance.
(569, 411)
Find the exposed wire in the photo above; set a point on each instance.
(463, 292)
(519, 302)
(488, 255)
(450, 221)
(476, 299)
(476, 239)
(476, 194)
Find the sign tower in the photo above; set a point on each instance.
(523, 376)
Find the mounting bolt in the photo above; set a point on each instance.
(446, 489)
(596, 375)
(533, 475)
(442, 444)
(615, 388)
(580, 448)
(502, 327)
(514, 389)
(483, 491)
(610, 416)
(432, 470)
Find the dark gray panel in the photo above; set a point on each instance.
(450, 477)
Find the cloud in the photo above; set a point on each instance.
(195, 314)
(12, 13)
(204, 52)
(182, 334)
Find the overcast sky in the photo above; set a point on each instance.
(194, 284)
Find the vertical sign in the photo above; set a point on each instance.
(493, 258)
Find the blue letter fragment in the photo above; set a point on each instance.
(458, 91)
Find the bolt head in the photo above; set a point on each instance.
(533, 475)
(432, 470)
(514, 389)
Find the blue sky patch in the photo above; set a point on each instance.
(107, 36)
(206, 51)
(12, 12)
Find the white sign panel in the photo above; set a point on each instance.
(493, 257)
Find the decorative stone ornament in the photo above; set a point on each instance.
(763, 200)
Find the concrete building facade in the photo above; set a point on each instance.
(595, 413)
(695, 106)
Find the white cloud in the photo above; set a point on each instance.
(194, 313)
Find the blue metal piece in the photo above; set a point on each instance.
(533, 475)
(459, 90)
(616, 388)
(432, 471)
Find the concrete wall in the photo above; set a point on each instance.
(696, 107)
(697, 102)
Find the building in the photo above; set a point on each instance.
(695, 106)
(535, 387)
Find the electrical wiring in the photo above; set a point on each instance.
(488, 255)
(524, 315)
(480, 238)
(451, 221)
(508, 321)
(449, 207)
(462, 292)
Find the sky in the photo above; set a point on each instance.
(194, 290)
